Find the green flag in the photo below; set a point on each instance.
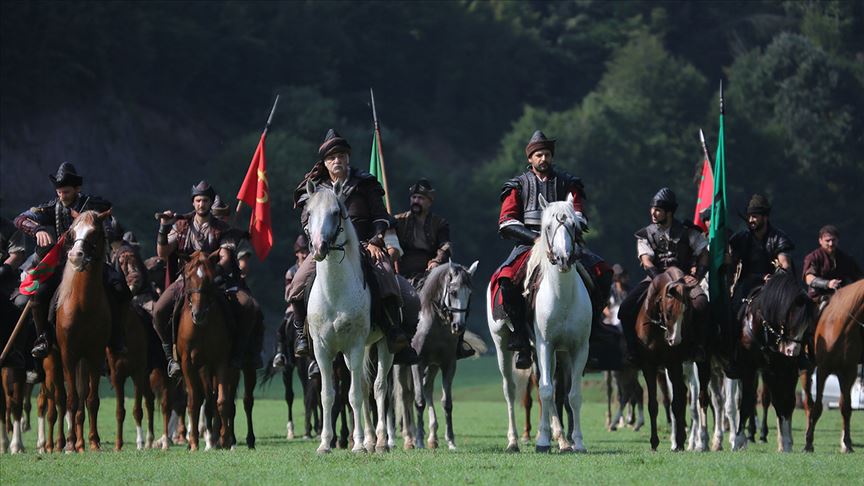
(717, 236)
(376, 167)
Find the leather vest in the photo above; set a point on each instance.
(207, 240)
(669, 251)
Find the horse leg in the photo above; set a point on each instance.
(249, 382)
(650, 374)
(613, 384)
(811, 408)
(782, 389)
(385, 362)
(577, 367)
(14, 379)
(748, 399)
(731, 408)
(546, 366)
(288, 382)
(691, 380)
(41, 409)
(357, 395)
(846, 378)
(505, 366)
(447, 375)
(428, 391)
(75, 441)
(765, 398)
(150, 406)
(138, 412)
(93, 377)
(679, 405)
(195, 397)
(418, 371)
(607, 378)
(118, 380)
(28, 393)
(637, 401)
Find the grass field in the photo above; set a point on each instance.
(480, 427)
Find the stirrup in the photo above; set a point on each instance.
(301, 346)
(464, 350)
(280, 360)
(40, 347)
(173, 368)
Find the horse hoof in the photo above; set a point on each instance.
(358, 449)
(323, 450)
(512, 448)
(542, 448)
(451, 446)
(381, 449)
(763, 440)
(809, 448)
(432, 444)
(846, 449)
(566, 450)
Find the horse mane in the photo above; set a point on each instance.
(780, 294)
(435, 282)
(848, 302)
(538, 252)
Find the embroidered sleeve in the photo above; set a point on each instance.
(511, 209)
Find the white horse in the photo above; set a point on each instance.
(562, 323)
(339, 317)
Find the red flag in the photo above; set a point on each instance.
(43, 270)
(705, 195)
(256, 194)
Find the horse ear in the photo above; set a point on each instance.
(473, 267)
(543, 201)
(310, 187)
(570, 198)
(103, 215)
(674, 290)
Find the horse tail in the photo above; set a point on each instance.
(476, 342)
(266, 375)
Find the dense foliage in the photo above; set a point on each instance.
(623, 86)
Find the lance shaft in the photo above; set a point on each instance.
(380, 152)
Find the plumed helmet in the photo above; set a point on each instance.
(301, 243)
(665, 199)
(759, 205)
(220, 209)
(66, 176)
(422, 187)
(539, 142)
(203, 189)
(333, 143)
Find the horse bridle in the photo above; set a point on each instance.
(445, 310)
(187, 292)
(778, 336)
(331, 243)
(90, 251)
(574, 241)
(663, 322)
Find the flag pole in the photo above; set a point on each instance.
(266, 127)
(380, 152)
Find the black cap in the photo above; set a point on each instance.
(203, 189)
(665, 199)
(66, 176)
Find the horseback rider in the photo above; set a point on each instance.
(46, 223)
(759, 251)
(177, 240)
(371, 220)
(827, 268)
(425, 241)
(520, 220)
(285, 331)
(665, 243)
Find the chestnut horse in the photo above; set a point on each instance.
(203, 345)
(774, 322)
(83, 323)
(134, 363)
(667, 335)
(838, 347)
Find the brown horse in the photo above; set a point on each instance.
(667, 335)
(203, 345)
(839, 347)
(83, 323)
(774, 322)
(133, 364)
(51, 404)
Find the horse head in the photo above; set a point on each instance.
(561, 232)
(454, 296)
(784, 313)
(668, 301)
(328, 216)
(199, 287)
(127, 261)
(88, 239)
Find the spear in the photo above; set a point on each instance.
(704, 146)
(380, 152)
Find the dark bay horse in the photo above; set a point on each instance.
(203, 345)
(774, 322)
(838, 346)
(140, 361)
(83, 323)
(667, 335)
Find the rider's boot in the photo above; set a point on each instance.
(40, 321)
(301, 340)
(463, 349)
(173, 367)
(514, 307)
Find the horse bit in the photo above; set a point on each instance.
(445, 310)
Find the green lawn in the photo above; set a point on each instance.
(480, 422)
